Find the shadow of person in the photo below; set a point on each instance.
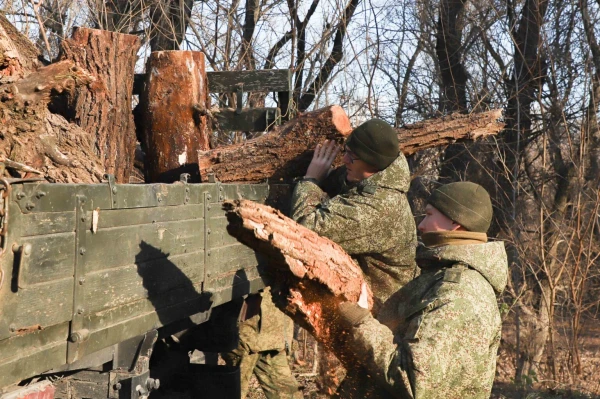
(169, 289)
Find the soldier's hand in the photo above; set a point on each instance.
(320, 166)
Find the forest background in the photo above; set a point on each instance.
(410, 60)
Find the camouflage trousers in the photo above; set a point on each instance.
(271, 369)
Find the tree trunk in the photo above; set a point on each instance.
(173, 110)
(169, 23)
(286, 152)
(103, 109)
(34, 137)
(316, 272)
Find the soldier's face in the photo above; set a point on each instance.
(356, 169)
(435, 220)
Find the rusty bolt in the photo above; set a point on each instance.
(20, 195)
(40, 194)
(29, 206)
(82, 251)
(208, 231)
(117, 386)
(159, 199)
(80, 311)
(81, 280)
(114, 190)
(209, 197)
(12, 328)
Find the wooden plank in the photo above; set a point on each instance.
(120, 246)
(26, 355)
(34, 224)
(129, 217)
(253, 192)
(249, 119)
(44, 304)
(124, 322)
(266, 80)
(108, 289)
(229, 259)
(52, 258)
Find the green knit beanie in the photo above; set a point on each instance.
(374, 142)
(466, 203)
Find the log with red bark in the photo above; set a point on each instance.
(70, 120)
(173, 123)
(286, 152)
(318, 273)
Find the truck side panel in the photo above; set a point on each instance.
(90, 266)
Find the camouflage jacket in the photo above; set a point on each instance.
(371, 221)
(438, 336)
(270, 329)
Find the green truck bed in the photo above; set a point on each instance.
(86, 267)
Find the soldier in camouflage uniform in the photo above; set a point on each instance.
(366, 212)
(437, 337)
(265, 338)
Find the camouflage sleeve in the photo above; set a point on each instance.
(307, 196)
(435, 356)
(352, 221)
(383, 359)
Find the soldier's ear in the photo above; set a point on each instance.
(457, 227)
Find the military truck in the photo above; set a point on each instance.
(92, 275)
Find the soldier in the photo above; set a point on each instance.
(264, 341)
(366, 212)
(437, 337)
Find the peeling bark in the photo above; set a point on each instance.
(318, 273)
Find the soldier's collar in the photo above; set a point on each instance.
(439, 238)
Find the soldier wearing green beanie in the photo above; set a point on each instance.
(362, 206)
(438, 335)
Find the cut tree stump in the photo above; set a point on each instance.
(317, 273)
(173, 115)
(285, 153)
(103, 108)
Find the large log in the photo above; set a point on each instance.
(286, 152)
(31, 135)
(70, 121)
(173, 115)
(103, 109)
(317, 273)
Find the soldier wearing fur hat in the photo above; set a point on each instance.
(437, 337)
